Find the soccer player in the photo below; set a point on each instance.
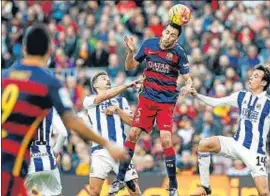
(43, 172)
(249, 142)
(165, 60)
(28, 92)
(107, 114)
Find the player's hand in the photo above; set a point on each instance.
(57, 157)
(130, 43)
(185, 90)
(111, 110)
(193, 92)
(117, 153)
(135, 83)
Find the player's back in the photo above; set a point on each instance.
(42, 156)
(25, 102)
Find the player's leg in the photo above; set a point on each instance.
(95, 185)
(134, 185)
(262, 185)
(129, 144)
(131, 179)
(165, 123)
(142, 121)
(258, 165)
(100, 167)
(224, 146)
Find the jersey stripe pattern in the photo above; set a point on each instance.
(254, 124)
(162, 70)
(26, 100)
(41, 153)
(110, 127)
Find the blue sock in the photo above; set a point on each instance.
(170, 162)
(124, 165)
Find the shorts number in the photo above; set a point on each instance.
(9, 99)
(261, 159)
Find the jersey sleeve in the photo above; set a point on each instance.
(183, 63)
(88, 102)
(60, 97)
(126, 107)
(231, 100)
(140, 56)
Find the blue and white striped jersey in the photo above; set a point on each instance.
(41, 151)
(254, 122)
(110, 127)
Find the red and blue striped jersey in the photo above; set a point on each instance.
(162, 70)
(28, 92)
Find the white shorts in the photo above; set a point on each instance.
(234, 150)
(102, 163)
(48, 183)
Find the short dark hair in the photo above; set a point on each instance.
(95, 77)
(37, 40)
(178, 27)
(266, 76)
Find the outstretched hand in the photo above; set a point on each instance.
(130, 43)
(135, 83)
(193, 92)
(188, 90)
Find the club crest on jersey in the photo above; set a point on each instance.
(169, 56)
(258, 106)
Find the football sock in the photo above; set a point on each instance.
(130, 146)
(170, 162)
(204, 166)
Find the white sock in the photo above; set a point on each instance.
(204, 166)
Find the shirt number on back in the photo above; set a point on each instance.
(9, 99)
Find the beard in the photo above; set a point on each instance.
(166, 44)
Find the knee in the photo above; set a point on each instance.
(205, 145)
(94, 191)
(134, 134)
(166, 142)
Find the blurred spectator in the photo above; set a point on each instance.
(208, 124)
(100, 56)
(238, 169)
(76, 92)
(113, 67)
(186, 132)
(224, 40)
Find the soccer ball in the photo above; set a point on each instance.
(179, 14)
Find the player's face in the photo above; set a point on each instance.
(169, 36)
(103, 82)
(256, 80)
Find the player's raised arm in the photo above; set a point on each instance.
(130, 62)
(100, 82)
(229, 100)
(61, 101)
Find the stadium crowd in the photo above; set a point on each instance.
(223, 40)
